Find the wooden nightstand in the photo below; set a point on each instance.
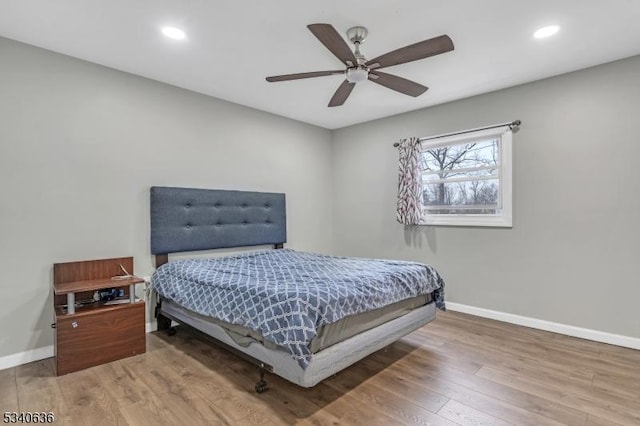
(89, 333)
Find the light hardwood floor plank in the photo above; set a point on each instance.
(467, 416)
(87, 398)
(121, 380)
(625, 414)
(552, 348)
(39, 389)
(396, 406)
(8, 390)
(505, 346)
(420, 368)
(489, 354)
(474, 399)
(618, 384)
(597, 421)
(384, 386)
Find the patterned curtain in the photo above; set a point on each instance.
(409, 211)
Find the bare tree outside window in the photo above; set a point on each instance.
(462, 178)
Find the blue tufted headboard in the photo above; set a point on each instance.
(184, 219)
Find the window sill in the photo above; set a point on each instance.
(493, 221)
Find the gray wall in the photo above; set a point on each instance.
(572, 254)
(81, 144)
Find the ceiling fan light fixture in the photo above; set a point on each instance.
(545, 32)
(174, 33)
(356, 75)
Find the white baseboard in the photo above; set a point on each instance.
(569, 330)
(32, 355)
(26, 357)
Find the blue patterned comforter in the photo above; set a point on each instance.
(286, 295)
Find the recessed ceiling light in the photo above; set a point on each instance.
(546, 31)
(174, 33)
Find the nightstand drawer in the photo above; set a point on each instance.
(91, 338)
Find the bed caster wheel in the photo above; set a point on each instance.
(261, 386)
(172, 331)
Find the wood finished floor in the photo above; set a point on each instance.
(458, 369)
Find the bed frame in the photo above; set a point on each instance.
(184, 219)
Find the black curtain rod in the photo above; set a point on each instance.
(512, 125)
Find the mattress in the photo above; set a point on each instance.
(287, 296)
(327, 335)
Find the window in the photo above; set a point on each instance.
(466, 179)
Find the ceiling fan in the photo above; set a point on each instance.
(360, 69)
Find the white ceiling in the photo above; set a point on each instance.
(233, 45)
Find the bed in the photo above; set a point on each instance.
(302, 316)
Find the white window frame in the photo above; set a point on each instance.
(504, 218)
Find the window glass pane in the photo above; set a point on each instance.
(462, 178)
(450, 161)
(466, 197)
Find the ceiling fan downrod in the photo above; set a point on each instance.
(359, 72)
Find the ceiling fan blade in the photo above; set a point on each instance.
(413, 52)
(341, 94)
(332, 41)
(398, 84)
(299, 76)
